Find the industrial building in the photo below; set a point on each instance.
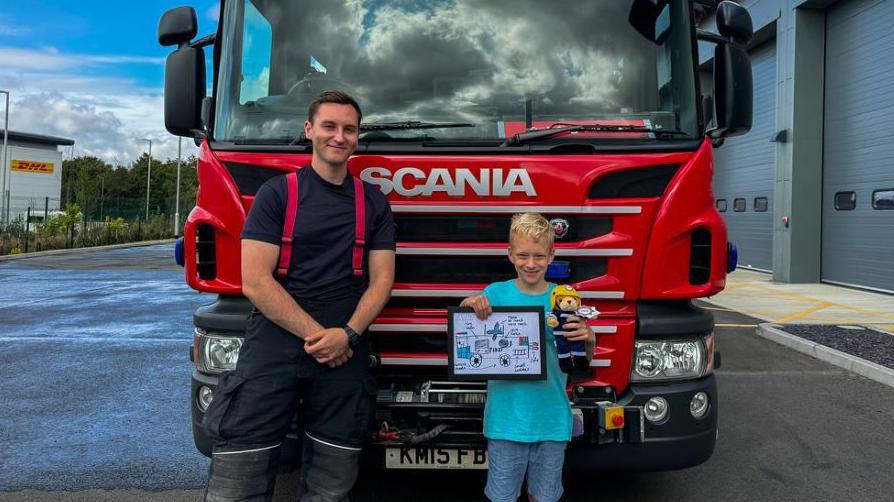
(32, 174)
(808, 193)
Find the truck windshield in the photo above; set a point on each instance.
(497, 67)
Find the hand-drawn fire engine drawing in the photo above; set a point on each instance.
(504, 344)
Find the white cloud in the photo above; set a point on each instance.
(50, 59)
(107, 116)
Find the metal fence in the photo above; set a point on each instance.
(35, 224)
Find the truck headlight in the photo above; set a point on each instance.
(216, 352)
(656, 360)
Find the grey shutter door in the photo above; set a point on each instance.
(745, 168)
(858, 151)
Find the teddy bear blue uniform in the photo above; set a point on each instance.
(564, 302)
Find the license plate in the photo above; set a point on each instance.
(435, 458)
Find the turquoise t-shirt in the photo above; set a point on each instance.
(527, 411)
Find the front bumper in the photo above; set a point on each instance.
(680, 441)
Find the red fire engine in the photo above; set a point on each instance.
(590, 113)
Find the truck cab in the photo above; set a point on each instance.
(590, 113)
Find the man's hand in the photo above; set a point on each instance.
(479, 304)
(329, 346)
(578, 330)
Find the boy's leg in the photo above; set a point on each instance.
(545, 470)
(506, 465)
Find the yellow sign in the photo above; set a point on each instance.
(30, 166)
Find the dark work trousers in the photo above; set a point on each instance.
(254, 405)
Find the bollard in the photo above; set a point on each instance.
(27, 228)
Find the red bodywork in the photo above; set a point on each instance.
(657, 233)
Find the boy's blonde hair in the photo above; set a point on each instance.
(532, 225)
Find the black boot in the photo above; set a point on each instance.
(328, 471)
(242, 474)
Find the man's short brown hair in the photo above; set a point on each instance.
(337, 97)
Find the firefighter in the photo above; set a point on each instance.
(318, 265)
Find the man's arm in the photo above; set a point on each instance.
(259, 261)
(381, 279)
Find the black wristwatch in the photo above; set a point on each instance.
(353, 337)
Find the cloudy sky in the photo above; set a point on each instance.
(441, 60)
(91, 71)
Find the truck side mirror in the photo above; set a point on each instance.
(733, 91)
(177, 26)
(734, 23)
(733, 82)
(184, 73)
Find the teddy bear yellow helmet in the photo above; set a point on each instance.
(562, 290)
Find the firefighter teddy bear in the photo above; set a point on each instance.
(565, 302)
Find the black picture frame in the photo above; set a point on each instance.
(451, 346)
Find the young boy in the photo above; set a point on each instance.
(528, 423)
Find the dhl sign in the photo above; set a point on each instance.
(30, 166)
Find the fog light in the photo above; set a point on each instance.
(656, 409)
(204, 397)
(699, 405)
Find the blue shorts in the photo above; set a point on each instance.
(508, 461)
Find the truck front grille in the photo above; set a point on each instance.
(487, 228)
(482, 269)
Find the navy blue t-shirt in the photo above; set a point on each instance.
(323, 243)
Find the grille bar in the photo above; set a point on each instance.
(489, 228)
(462, 293)
(512, 209)
(442, 328)
(445, 251)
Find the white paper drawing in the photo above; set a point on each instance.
(507, 344)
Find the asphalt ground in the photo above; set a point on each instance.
(94, 378)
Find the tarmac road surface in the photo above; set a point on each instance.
(94, 373)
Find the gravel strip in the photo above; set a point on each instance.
(864, 343)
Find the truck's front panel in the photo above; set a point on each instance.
(443, 87)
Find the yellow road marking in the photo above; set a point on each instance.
(718, 308)
(804, 313)
(814, 300)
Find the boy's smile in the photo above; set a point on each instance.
(530, 259)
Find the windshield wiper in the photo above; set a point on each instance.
(411, 124)
(394, 126)
(534, 134)
(263, 141)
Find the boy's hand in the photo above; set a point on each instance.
(578, 330)
(479, 304)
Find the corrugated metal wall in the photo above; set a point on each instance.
(858, 239)
(745, 170)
